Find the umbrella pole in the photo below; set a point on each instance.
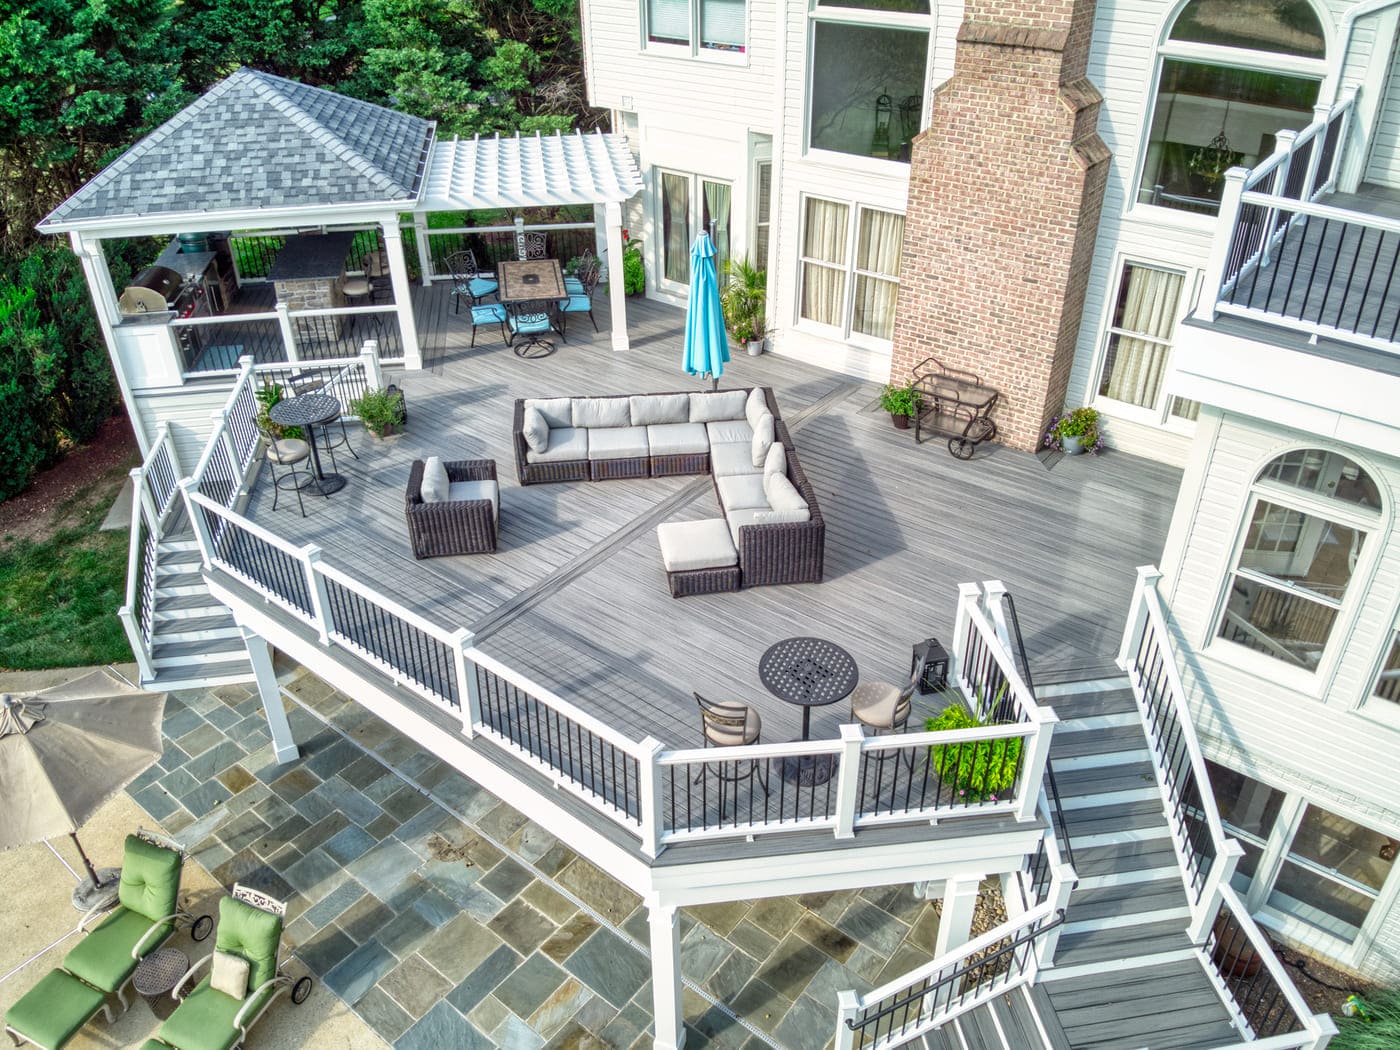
(92, 872)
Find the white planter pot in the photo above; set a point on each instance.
(756, 348)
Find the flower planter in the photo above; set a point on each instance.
(900, 422)
(755, 347)
(1072, 444)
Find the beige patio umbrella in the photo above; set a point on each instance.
(66, 750)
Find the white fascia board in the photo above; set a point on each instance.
(240, 219)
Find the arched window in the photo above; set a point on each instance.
(1232, 74)
(1309, 516)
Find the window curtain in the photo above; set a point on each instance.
(717, 213)
(1135, 367)
(761, 220)
(824, 238)
(675, 218)
(722, 24)
(668, 21)
(877, 250)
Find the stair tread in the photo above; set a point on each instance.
(1127, 941)
(180, 579)
(1086, 705)
(214, 621)
(204, 673)
(1114, 739)
(180, 602)
(197, 647)
(1073, 783)
(1124, 856)
(1123, 816)
(1121, 902)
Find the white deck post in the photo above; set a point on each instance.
(316, 588)
(289, 339)
(666, 976)
(1220, 244)
(847, 779)
(1147, 576)
(468, 688)
(201, 527)
(649, 790)
(420, 242)
(1222, 870)
(1035, 753)
(955, 923)
(369, 358)
(617, 293)
(1326, 1029)
(968, 594)
(1045, 945)
(847, 1009)
(260, 655)
(398, 277)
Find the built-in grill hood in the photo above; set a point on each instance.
(154, 290)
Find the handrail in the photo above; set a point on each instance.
(155, 494)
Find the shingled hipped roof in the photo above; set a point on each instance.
(525, 171)
(256, 141)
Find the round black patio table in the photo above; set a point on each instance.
(809, 672)
(308, 412)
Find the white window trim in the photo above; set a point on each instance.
(694, 50)
(1369, 705)
(761, 157)
(845, 332)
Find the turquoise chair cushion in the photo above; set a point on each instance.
(103, 958)
(490, 313)
(573, 285)
(51, 1012)
(479, 286)
(204, 1018)
(252, 933)
(576, 304)
(530, 324)
(150, 883)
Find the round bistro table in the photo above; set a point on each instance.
(808, 672)
(158, 973)
(310, 411)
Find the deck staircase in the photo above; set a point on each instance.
(1022, 1019)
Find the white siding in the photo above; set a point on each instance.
(188, 410)
(1383, 167)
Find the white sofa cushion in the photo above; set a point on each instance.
(657, 409)
(602, 412)
(565, 444)
(709, 406)
(557, 411)
(782, 494)
(617, 443)
(755, 406)
(535, 429)
(433, 488)
(677, 439)
(461, 491)
(732, 457)
(742, 492)
(726, 430)
(739, 518)
(695, 545)
(775, 462)
(762, 439)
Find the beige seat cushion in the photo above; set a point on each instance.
(729, 430)
(689, 545)
(782, 494)
(742, 492)
(776, 460)
(878, 705)
(462, 491)
(618, 442)
(733, 457)
(565, 444)
(732, 736)
(677, 439)
(557, 411)
(739, 518)
(285, 451)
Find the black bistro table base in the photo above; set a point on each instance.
(533, 348)
(809, 770)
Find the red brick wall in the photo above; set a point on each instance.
(1005, 190)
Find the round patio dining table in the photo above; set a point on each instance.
(808, 672)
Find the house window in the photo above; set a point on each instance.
(1231, 75)
(1248, 812)
(1388, 681)
(851, 290)
(869, 66)
(1308, 521)
(690, 204)
(1139, 344)
(706, 25)
(763, 212)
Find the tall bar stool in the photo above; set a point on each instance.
(310, 383)
(288, 452)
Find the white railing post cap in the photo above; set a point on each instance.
(1148, 573)
(463, 638)
(969, 590)
(852, 731)
(651, 746)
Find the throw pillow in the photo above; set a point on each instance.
(592, 412)
(782, 494)
(755, 406)
(762, 438)
(658, 409)
(557, 411)
(536, 430)
(229, 974)
(435, 481)
(775, 517)
(776, 460)
(713, 406)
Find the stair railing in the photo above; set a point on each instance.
(155, 498)
(1265, 1005)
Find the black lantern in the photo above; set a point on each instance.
(935, 658)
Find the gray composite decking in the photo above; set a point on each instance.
(576, 596)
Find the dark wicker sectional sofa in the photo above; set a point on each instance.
(769, 553)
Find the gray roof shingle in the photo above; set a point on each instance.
(255, 140)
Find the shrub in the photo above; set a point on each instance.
(899, 400)
(379, 410)
(983, 769)
(1082, 423)
(634, 278)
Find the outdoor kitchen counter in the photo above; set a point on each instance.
(308, 270)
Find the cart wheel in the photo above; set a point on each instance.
(202, 928)
(982, 429)
(961, 448)
(301, 990)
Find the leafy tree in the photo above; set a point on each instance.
(26, 442)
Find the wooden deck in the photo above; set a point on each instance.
(576, 596)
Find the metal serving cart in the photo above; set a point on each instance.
(953, 404)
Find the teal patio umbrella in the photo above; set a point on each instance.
(706, 345)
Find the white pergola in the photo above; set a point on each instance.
(534, 171)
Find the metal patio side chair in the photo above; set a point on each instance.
(884, 708)
(580, 302)
(529, 325)
(488, 314)
(467, 280)
(730, 725)
(573, 284)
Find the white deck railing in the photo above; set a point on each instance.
(155, 497)
(1261, 998)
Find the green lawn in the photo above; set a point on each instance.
(59, 596)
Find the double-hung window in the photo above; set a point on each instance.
(850, 268)
(699, 26)
(1137, 352)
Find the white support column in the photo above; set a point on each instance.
(398, 277)
(260, 654)
(600, 235)
(955, 923)
(289, 339)
(316, 589)
(666, 976)
(425, 255)
(617, 294)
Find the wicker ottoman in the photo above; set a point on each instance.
(699, 557)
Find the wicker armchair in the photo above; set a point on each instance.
(454, 526)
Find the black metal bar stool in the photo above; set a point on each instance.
(288, 452)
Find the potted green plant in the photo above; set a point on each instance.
(985, 769)
(901, 403)
(381, 411)
(744, 299)
(634, 278)
(1075, 432)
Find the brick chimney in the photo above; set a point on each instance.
(1005, 188)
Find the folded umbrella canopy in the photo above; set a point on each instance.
(64, 752)
(706, 346)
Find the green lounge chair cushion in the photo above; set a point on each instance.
(252, 933)
(51, 1012)
(103, 957)
(204, 1020)
(154, 1044)
(150, 883)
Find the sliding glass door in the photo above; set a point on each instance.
(689, 204)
